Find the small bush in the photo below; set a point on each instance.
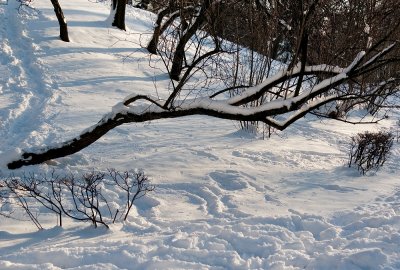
(85, 198)
(369, 151)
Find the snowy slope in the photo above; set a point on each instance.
(223, 200)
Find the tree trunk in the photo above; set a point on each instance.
(179, 55)
(160, 28)
(311, 98)
(119, 17)
(177, 61)
(61, 20)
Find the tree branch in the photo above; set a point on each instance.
(129, 112)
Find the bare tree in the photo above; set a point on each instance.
(59, 14)
(173, 10)
(248, 24)
(361, 71)
(179, 53)
(61, 20)
(80, 199)
(118, 8)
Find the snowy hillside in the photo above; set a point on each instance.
(223, 199)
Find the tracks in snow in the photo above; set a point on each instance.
(28, 90)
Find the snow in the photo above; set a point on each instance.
(282, 73)
(222, 200)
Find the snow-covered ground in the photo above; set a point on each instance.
(223, 199)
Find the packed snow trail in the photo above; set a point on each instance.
(223, 199)
(28, 86)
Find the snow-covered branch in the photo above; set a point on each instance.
(133, 110)
(257, 91)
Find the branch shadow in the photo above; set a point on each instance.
(47, 236)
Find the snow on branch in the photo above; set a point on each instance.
(255, 92)
(141, 108)
(314, 104)
(378, 55)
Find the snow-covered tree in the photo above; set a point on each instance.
(359, 68)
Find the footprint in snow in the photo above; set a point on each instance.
(338, 188)
(229, 179)
(205, 154)
(271, 199)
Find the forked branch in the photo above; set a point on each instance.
(310, 98)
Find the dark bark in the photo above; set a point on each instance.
(160, 28)
(107, 124)
(142, 4)
(89, 137)
(299, 105)
(179, 54)
(303, 49)
(61, 20)
(68, 148)
(119, 18)
(152, 46)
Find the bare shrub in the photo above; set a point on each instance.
(13, 193)
(79, 198)
(134, 185)
(343, 53)
(369, 151)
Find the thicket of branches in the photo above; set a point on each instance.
(261, 61)
(369, 150)
(94, 197)
(251, 40)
